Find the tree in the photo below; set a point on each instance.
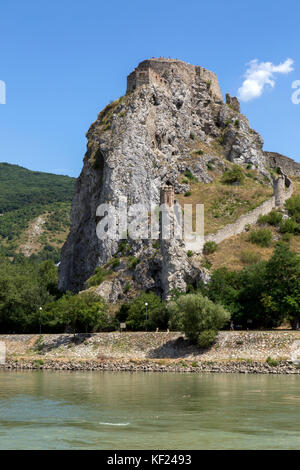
(196, 314)
(282, 290)
(82, 312)
(134, 313)
(49, 276)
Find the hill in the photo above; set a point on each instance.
(171, 137)
(34, 208)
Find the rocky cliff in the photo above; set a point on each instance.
(172, 119)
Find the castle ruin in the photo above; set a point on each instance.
(162, 71)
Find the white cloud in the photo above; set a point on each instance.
(259, 75)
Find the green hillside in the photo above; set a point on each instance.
(20, 187)
(34, 208)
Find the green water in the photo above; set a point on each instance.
(96, 410)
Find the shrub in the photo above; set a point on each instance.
(206, 338)
(193, 314)
(99, 276)
(123, 246)
(187, 194)
(132, 262)
(272, 362)
(39, 344)
(261, 237)
(293, 207)
(289, 226)
(189, 175)
(192, 135)
(206, 264)
(233, 176)
(190, 253)
(209, 166)
(286, 237)
(273, 218)
(210, 247)
(127, 288)
(114, 262)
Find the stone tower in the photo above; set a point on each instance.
(279, 190)
(167, 195)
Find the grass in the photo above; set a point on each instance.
(223, 204)
(237, 252)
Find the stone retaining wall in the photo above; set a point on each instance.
(251, 217)
(241, 367)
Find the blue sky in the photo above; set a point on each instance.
(63, 61)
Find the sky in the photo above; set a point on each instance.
(63, 61)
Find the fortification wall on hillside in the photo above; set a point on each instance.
(251, 218)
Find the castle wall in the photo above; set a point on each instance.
(163, 71)
(280, 196)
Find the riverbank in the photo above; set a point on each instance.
(263, 352)
(242, 367)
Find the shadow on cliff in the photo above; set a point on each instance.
(173, 349)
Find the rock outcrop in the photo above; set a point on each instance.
(172, 119)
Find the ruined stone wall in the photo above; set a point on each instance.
(163, 71)
(251, 218)
(288, 165)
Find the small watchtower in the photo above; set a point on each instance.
(167, 194)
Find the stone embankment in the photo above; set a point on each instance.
(267, 352)
(242, 367)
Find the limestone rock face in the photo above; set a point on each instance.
(172, 119)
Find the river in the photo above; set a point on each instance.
(106, 410)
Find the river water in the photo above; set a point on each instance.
(106, 410)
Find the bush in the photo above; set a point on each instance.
(127, 288)
(194, 314)
(293, 207)
(210, 247)
(189, 175)
(114, 262)
(132, 262)
(261, 237)
(187, 194)
(234, 176)
(286, 237)
(206, 338)
(190, 253)
(289, 226)
(99, 276)
(273, 218)
(272, 362)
